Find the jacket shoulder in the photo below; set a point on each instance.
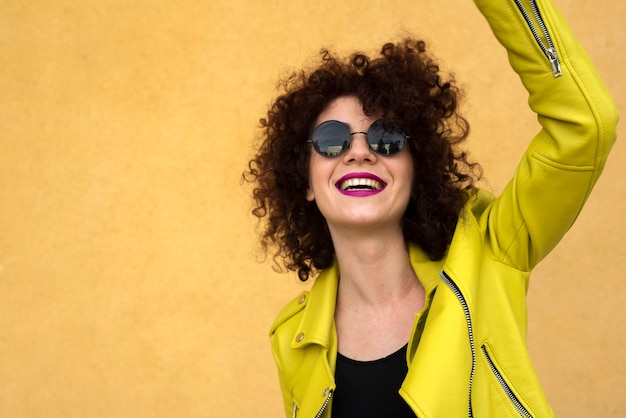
(290, 310)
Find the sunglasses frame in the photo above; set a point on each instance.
(379, 122)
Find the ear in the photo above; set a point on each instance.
(310, 196)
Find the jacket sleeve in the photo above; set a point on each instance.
(578, 120)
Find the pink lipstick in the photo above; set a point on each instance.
(360, 184)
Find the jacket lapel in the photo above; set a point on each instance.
(439, 374)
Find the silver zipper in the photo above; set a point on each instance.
(523, 412)
(326, 402)
(547, 47)
(321, 411)
(468, 318)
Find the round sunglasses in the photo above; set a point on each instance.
(332, 138)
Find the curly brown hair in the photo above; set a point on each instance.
(403, 85)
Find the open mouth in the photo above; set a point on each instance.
(360, 184)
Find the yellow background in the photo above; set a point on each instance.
(129, 281)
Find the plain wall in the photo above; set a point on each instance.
(129, 280)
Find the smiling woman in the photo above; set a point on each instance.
(419, 302)
(405, 90)
(334, 181)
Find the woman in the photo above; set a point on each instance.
(419, 305)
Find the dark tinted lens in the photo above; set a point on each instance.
(331, 138)
(385, 140)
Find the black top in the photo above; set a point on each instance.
(370, 388)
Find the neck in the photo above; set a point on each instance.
(375, 268)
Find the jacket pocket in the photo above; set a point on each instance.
(501, 396)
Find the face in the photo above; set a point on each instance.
(359, 188)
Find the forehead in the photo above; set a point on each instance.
(347, 109)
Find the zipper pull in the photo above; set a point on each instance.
(295, 410)
(554, 62)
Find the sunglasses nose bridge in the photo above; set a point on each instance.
(362, 143)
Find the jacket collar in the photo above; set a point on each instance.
(427, 270)
(317, 324)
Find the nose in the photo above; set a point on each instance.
(359, 150)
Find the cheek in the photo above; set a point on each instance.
(320, 172)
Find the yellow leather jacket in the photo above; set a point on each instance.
(467, 355)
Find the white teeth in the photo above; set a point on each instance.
(360, 183)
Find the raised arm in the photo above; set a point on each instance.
(578, 119)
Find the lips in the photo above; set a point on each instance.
(360, 184)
